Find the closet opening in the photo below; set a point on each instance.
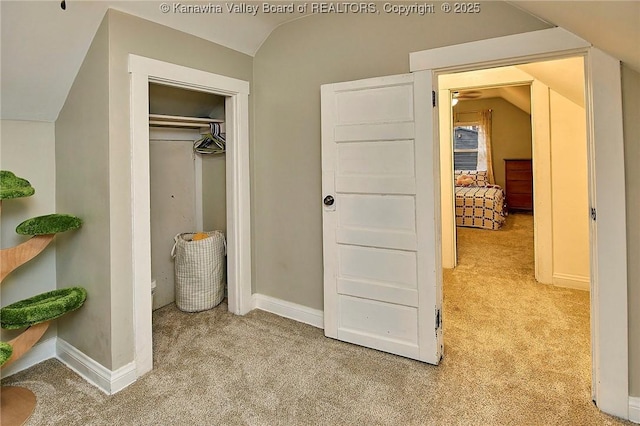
(187, 182)
(230, 100)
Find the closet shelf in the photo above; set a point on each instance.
(159, 120)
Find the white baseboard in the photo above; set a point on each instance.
(572, 281)
(634, 409)
(104, 379)
(290, 310)
(41, 351)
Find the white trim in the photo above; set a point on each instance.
(41, 351)
(542, 188)
(141, 228)
(142, 71)
(314, 317)
(608, 237)
(448, 230)
(238, 203)
(169, 74)
(634, 409)
(428, 220)
(93, 372)
(577, 282)
(505, 48)
(609, 317)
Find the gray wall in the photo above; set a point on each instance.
(82, 189)
(631, 111)
(288, 70)
(214, 193)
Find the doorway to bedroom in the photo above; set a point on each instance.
(516, 224)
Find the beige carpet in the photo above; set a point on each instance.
(516, 353)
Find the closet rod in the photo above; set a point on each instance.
(178, 121)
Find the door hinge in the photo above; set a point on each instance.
(433, 98)
(593, 213)
(438, 319)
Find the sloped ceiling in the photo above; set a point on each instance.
(564, 76)
(42, 46)
(519, 96)
(613, 26)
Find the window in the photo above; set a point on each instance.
(465, 146)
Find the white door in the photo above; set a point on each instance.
(381, 241)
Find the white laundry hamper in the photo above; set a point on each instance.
(199, 270)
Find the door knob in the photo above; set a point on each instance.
(328, 200)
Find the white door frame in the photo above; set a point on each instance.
(609, 319)
(143, 71)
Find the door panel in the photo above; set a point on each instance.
(386, 158)
(396, 267)
(363, 321)
(378, 291)
(364, 220)
(403, 324)
(372, 212)
(375, 104)
(374, 131)
(380, 285)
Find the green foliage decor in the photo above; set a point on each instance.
(41, 308)
(46, 306)
(49, 224)
(5, 352)
(12, 186)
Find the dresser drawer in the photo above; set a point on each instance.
(520, 202)
(513, 175)
(520, 187)
(518, 165)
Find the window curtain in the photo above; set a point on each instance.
(484, 145)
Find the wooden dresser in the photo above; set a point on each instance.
(518, 175)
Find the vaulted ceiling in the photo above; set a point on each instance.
(564, 76)
(42, 46)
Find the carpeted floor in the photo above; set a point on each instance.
(516, 353)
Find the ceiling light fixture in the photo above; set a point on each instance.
(464, 96)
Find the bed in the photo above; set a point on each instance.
(478, 203)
